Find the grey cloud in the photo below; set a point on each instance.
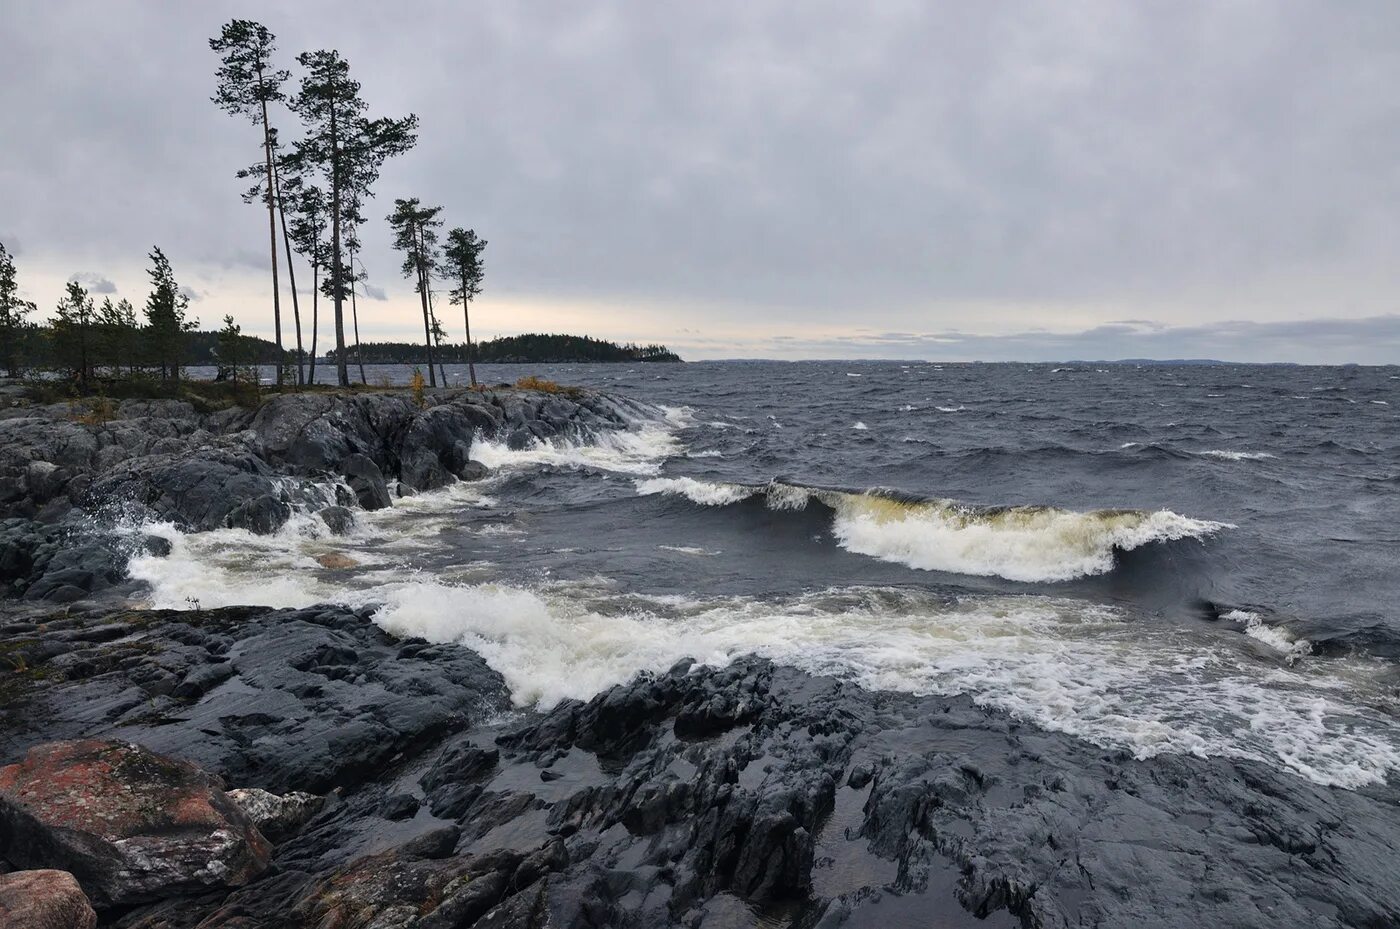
(374, 293)
(95, 283)
(190, 293)
(795, 166)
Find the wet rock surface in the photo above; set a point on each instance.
(752, 795)
(44, 899)
(66, 478)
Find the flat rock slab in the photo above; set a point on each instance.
(129, 824)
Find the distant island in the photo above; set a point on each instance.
(41, 347)
(532, 348)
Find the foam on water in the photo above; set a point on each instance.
(1017, 543)
(1255, 627)
(639, 451)
(1227, 455)
(1067, 666)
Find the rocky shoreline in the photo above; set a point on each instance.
(69, 475)
(253, 767)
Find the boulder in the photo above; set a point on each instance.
(436, 446)
(338, 519)
(366, 480)
(44, 899)
(197, 492)
(129, 824)
(263, 515)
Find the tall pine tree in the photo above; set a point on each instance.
(310, 214)
(349, 150)
(415, 234)
(462, 267)
(248, 82)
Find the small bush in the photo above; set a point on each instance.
(548, 387)
(415, 384)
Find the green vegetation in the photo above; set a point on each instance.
(534, 348)
(248, 82)
(415, 234)
(462, 266)
(14, 312)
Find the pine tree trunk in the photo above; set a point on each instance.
(342, 373)
(292, 278)
(355, 317)
(272, 236)
(423, 297)
(315, 315)
(437, 338)
(467, 320)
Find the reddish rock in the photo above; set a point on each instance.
(130, 825)
(44, 900)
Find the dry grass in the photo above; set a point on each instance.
(548, 387)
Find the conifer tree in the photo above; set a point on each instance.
(415, 234)
(117, 335)
(248, 82)
(13, 310)
(165, 318)
(308, 232)
(462, 267)
(285, 178)
(231, 354)
(349, 150)
(73, 333)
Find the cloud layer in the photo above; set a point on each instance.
(1018, 175)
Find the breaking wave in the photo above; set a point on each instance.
(1020, 543)
(1067, 666)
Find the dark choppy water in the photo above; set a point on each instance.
(1160, 558)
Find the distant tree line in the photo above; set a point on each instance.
(86, 341)
(533, 347)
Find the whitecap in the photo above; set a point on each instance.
(1087, 670)
(704, 493)
(1275, 638)
(1226, 455)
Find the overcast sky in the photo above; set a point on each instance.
(750, 179)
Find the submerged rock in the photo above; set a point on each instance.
(129, 824)
(44, 899)
(338, 519)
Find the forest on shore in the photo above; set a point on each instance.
(538, 348)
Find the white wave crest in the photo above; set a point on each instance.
(1226, 455)
(632, 451)
(1031, 544)
(1067, 666)
(1255, 627)
(704, 493)
(1018, 543)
